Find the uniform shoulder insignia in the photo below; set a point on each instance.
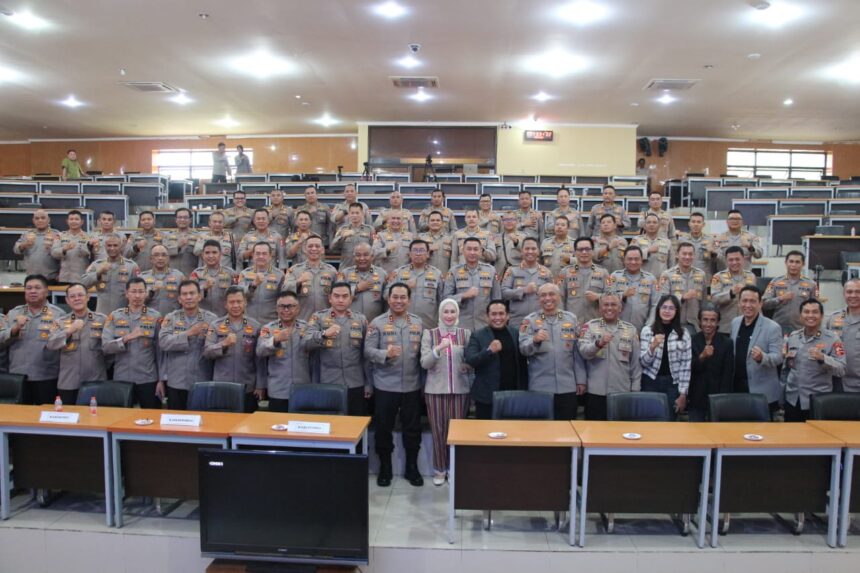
(838, 349)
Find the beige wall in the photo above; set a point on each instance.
(575, 150)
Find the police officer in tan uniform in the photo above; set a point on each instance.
(283, 346)
(689, 286)
(237, 217)
(366, 281)
(312, 279)
(213, 278)
(608, 207)
(424, 281)
(391, 247)
(785, 293)
(110, 276)
(846, 324)
(74, 249)
(162, 282)
(441, 243)
(488, 253)
(583, 282)
(437, 203)
(353, 233)
(656, 250)
(180, 243)
(727, 284)
(472, 285)
(35, 246)
(261, 282)
(521, 283)
(637, 289)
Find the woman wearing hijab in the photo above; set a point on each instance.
(449, 380)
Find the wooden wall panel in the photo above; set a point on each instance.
(136, 155)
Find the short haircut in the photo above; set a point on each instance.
(487, 195)
(735, 212)
(341, 284)
(142, 213)
(265, 244)
(734, 249)
(631, 248)
(356, 205)
(710, 307)
(311, 237)
(419, 242)
(108, 212)
(221, 144)
(437, 191)
(814, 301)
(212, 243)
(241, 147)
(686, 244)
(504, 303)
(606, 187)
(697, 214)
(288, 293)
(399, 284)
(239, 192)
(524, 192)
(472, 240)
(76, 212)
(565, 219)
(70, 150)
(610, 215)
(750, 288)
(795, 253)
(560, 189)
(586, 239)
(301, 212)
(535, 241)
(70, 285)
(235, 289)
(134, 281)
(441, 216)
(36, 277)
(181, 209)
(652, 215)
(260, 210)
(187, 282)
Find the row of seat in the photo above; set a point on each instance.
(654, 406)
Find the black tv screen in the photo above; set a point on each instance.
(296, 507)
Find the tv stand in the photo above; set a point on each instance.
(229, 566)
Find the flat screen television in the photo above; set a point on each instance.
(289, 507)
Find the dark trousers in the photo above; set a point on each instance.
(144, 394)
(664, 385)
(279, 405)
(40, 392)
(774, 408)
(483, 411)
(695, 415)
(69, 397)
(793, 413)
(250, 403)
(595, 407)
(564, 406)
(177, 399)
(356, 404)
(388, 404)
(219, 179)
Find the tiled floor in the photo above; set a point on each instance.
(408, 533)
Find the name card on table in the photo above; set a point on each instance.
(309, 427)
(59, 417)
(181, 420)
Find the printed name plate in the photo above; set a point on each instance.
(181, 420)
(309, 427)
(59, 417)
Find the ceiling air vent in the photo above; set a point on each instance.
(671, 85)
(415, 81)
(150, 87)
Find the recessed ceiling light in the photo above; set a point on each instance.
(203, 16)
(667, 98)
(634, 104)
(294, 157)
(71, 102)
(753, 56)
(261, 65)
(89, 161)
(391, 10)
(438, 152)
(435, 142)
(541, 96)
(735, 126)
(181, 98)
(421, 96)
(298, 96)
(788, 101)
(409, 62)
(122, 71)
(326, 120)
(555, 63)
(847, 71)
(273, 147)
(777, 15)
(352, 145)
(28, 21)
(306, 103)
(583, 12)
(227, 121)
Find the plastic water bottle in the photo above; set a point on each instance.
(58, 404)
(94, 407)
(853, 231)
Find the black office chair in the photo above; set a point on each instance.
(12, 388)
(638, 407)
(111, 393)
(217, 397)
(522, 405)
(738, 408)
(329, 399)
(830, 230)
(835, 406)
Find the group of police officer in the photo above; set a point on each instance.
(251, 298)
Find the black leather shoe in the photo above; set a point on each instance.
(413, 475)
(383, 478)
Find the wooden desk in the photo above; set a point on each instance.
(256, 430)
(625, 475)
(144, 455)
(824, 250)
(532, 469)
(787, 471)
(848, 432)
(57, 456)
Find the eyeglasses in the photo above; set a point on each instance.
(287, 306)
(735, 219)
(419, 251)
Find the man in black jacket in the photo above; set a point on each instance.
(712, 365)
(493, 351)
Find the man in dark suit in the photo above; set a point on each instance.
(493, 351)
(713, 369)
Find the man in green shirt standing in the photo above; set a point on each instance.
(71, 166)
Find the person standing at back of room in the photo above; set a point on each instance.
(71, 167)
(243, 162)
(220, 164)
